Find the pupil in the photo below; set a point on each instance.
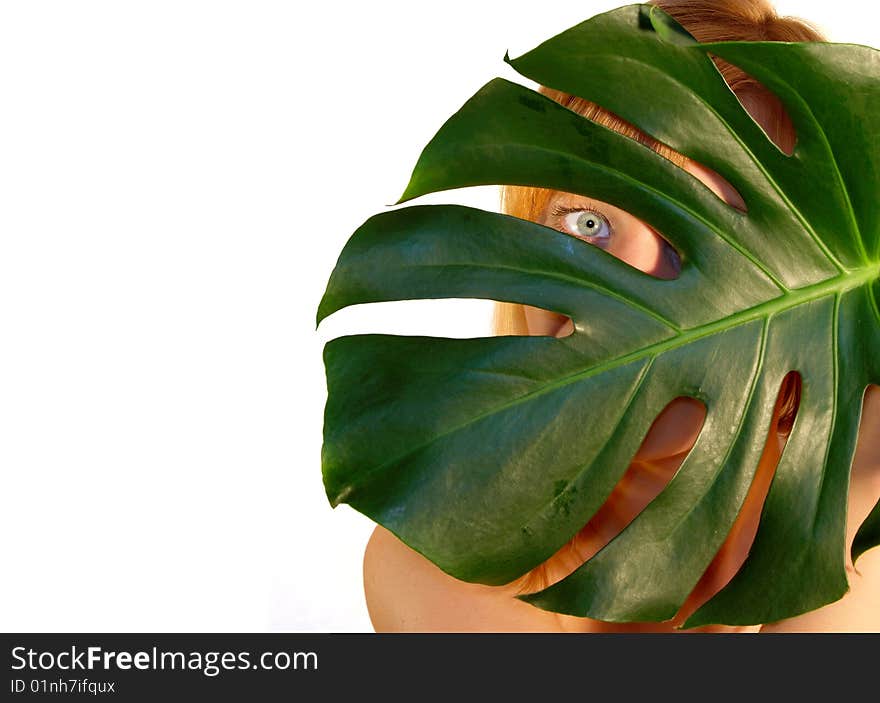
(588, 222)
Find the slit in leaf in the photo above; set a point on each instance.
(456, 318)
(733, 552)
(763, 105)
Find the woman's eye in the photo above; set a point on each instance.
(584, 223)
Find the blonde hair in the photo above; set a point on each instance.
(707, 21)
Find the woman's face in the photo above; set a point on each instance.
(621, 235)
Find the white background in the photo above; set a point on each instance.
(176, 182)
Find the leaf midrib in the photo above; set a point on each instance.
(565, 278)
(832, 286)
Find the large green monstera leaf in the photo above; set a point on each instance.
(486, 455)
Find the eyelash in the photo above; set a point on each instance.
(560, 211)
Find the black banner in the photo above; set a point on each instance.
(151, 667)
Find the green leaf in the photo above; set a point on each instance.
(487, 455)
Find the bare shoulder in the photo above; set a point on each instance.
(868, 450)
(405, 592)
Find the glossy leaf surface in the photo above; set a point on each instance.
(486, 455)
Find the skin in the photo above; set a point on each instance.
(407, 593)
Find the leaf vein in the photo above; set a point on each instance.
(785, 301)
(756, 377)
(580, 282)
(643, 375)
(758, 164)
(835, 368)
